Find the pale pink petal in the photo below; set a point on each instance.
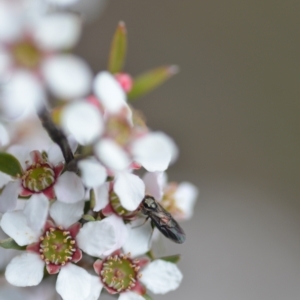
(154, 151)
(130, 296)
(101, 196)
(65, 214)
(67, 76)
(36, 211)
(100, 237)
(154, 182)
(15, 225)
(161, 277)
(58, 31)
(9, 196)
(112, 155)
(93, 174)
(26, 269)
(139, 239)
(69, 188)
(186, 196)
(22, 95)
(74, 283)
(130, 190)
(83, 120)
(109, 92)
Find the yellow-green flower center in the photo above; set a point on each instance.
(118, 208)
(57, 246)
(119, 272)
(38, 177)
(27, 55)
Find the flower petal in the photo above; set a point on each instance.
(22, 95)
(21, 153)
(161, 277)
(62, 2)
(74, 283)
(154, 151)
(55, 155)
(9, 196)
(26, 269)
(109, 92)
(100, 237)
(10, 22)
(15, 225)
(186, 196)
(57, 71)
(83, 120)
(130, 190)
(96, 289)
(139, 239)
(36, 211)
(69, 188)
(4, 179)
(93, 174)
(4, 136)
(155, 182)
(101, 196)
(58, 31)
(112, 155)
(65, 214)
(130, 296)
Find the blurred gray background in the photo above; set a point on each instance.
(234, 112)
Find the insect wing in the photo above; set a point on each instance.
(165, 223)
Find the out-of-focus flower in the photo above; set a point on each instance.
(30, 62)
(177, 198)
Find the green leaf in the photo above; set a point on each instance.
(118, 49)
(10, 165)
(88, 218)
(150, 80)
(147, 297)
(172, 258)
(11, 244)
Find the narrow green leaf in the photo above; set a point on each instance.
(9, 164)
(147, 297)
(11, 244)
(118, 49)
(88, 218)
(150, 80)
(172, 258)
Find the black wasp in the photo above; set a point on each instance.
(162, 220)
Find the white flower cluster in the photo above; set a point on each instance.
(79, 168)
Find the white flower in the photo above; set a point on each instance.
(26, 228)
(66, 187)
(178, 199)
(136, 274)
(30, 66)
